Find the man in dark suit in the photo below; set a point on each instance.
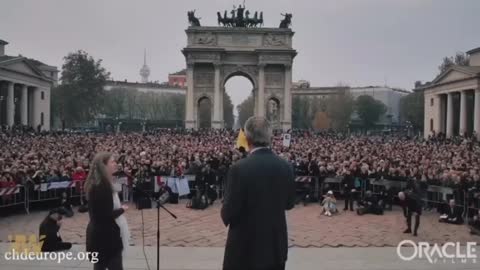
(411, 205)
(259, 190)
(453, 214)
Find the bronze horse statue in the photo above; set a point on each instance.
(239, 19)
(194, 21)
(225, 20)
(287, 20)
(255, 21)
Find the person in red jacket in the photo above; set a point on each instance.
(79, 174)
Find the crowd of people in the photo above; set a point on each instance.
(49, 157)
(59, 156)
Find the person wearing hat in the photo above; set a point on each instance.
(329, 204)
(49, 234)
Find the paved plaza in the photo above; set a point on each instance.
(196, 239)
(204, 228)
(201, 258)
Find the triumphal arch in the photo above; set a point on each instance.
(241, 47)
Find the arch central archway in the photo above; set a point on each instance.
(240, 89)
(216, 54)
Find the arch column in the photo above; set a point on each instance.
(260, 100)
(189, 112)
(287, 99)
(217, 108)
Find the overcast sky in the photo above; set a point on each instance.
(357, 42)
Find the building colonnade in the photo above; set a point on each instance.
(18, 101)
(458, 112)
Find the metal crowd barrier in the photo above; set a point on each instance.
(44, 192)
(11, 196)
(378, 184)
(333, 183)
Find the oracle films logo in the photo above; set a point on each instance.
(452, 252)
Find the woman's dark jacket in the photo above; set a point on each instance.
(103, 234)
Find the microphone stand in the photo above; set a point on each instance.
(159, 205)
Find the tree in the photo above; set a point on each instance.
(114, 105)
(369, 110)
(143, 100)
(228, 111)
(460, 59)
(82, 90)
(131, 103)
(301, 113)
(412, 109)
(246, 110)
(340, 108)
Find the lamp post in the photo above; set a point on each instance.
(144, 125)
(2, 98)
(408, 126)
(119, 124)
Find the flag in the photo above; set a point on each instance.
(242, 140)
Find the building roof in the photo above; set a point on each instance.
(474, 71)
(463, 69)
(149, 84)
(472, 51)
(35, 65)
(181, 72)
(31, 61)
(469, 69)
(4, 58)
(3, 42)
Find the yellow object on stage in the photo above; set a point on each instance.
(242, 140)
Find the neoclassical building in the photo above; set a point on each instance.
(452, 100)
(25, 86)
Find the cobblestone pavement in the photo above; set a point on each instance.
(204, 228)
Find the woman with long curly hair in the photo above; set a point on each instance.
(107, 231)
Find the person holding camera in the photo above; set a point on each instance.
(370, 205)
(49, 233)
(452, 214)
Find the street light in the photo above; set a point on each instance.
(1, 109)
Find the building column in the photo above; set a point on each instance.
(24, 105)
(443, 108)
(10, 105)
(260, 104)
(463, 112)
(287, 99)
(476, 113)
(449, 131)
(216, 123)
(190, 103)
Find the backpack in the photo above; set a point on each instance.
(198, 202)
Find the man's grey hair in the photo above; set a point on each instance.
(258, 131)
